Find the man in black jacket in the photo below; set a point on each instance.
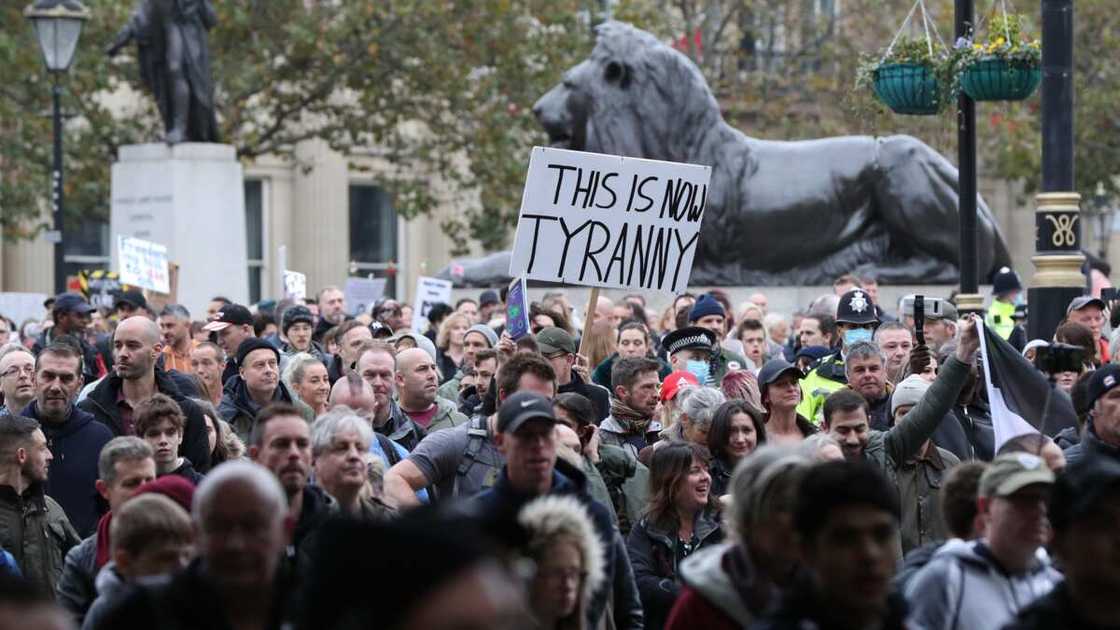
(560, 349)
(137, 344)
(526, 438)
(74, 437)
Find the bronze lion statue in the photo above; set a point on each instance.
(797, 213)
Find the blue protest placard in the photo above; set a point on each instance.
(517, 309)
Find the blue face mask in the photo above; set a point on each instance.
(856, 335)
(700, 369)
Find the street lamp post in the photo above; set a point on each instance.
(58, 26)
(1058, 260)
(969, 299)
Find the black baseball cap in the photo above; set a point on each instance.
(254, 343)
(1103, 379)
(774, 369)
(521, 408)
(71, 303)
(230, 315)
(132, 298)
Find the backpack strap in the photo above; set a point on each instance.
(477, 434)
(388, 447)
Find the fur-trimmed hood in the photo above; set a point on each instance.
(552, 516)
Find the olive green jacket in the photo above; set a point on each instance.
(35, 530)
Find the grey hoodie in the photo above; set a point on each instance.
(703, 571)
(963, 587)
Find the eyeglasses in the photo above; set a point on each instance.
(29, 370)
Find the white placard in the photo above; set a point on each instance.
(295, 285)
(20, 307)
(429, 292)
(361, 293)
(609, 221)
(143, 264)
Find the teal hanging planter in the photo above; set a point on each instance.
(995, 79)
(908, 88)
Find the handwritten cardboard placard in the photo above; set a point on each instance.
(609, 221)
(362, 293)
(429, 292)
(144, 264)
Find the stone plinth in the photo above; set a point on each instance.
(191, 198)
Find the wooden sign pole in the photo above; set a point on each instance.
(592, 303)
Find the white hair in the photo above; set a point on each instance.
(293, 371)
(338, 419)
(771, 320)
(700, 404)
(260, 478)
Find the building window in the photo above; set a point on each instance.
(85, 243)
(254, 235)
(373, 234)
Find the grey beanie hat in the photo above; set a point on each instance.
(908, 392)
(485, 331)
(421, 342)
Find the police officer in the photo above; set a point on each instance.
(693, 349)
(1006, 288)
(856, 321)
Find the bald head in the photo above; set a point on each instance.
(417, 380)
(136, 347)
(603, 309)
(355, 393)
(140, 326)
(407, 359)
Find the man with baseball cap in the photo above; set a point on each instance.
(1102, 433)
(256, 386)
(856, 321)
(234, 324)
(559, 349)
(1084, 510)
(984, 584)
(526, 437)
(1089, 312)
(71, 315)
(940, 325)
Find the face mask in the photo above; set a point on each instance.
(700, 369)
(856, 335)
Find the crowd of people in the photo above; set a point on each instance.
(293, 465)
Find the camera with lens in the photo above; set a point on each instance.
(1059, 357)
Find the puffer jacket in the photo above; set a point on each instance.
(964, 587)
(34, 529)
(653, 552)
(76, 586)
(102, 403)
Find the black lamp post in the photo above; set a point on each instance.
(58, 25)
(969, 299)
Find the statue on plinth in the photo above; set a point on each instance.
(174, 56)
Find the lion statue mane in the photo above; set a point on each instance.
(778, 213)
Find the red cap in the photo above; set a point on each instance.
(672, 384)
(174, 487)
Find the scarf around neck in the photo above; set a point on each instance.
(630, 419)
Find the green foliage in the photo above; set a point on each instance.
(921, 52)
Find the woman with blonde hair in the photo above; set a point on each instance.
(569, 561)
(601, 343)
(449, 345)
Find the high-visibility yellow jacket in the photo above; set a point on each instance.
(821, 381)
(1001, 318)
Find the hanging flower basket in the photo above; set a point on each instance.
(908, 88)
(996, 79)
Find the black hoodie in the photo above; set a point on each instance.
(75, 445)
(102, 403)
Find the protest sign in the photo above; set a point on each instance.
(429, 292)
(361, 293)
(20, 307)
(101, 286)
(144, 264)
(609, 221)
(517, 309)
(295, 285)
